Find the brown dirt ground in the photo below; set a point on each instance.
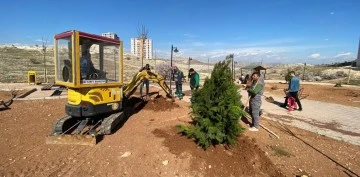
(349, 96)
(149, 135)
(6, 95)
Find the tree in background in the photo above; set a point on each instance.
(142, 35)
(216, 110)
(287, 76)
(164, 70)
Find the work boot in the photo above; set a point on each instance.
(253, 129)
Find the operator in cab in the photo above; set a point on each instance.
(86, 66)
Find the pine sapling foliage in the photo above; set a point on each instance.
(216, 110)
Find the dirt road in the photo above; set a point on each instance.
(148, 145)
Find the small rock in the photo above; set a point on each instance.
(209, 166)
(126, 154)
(24, 158)
(165, 162)
(49, 115)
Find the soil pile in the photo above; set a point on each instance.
(244, 159)
(159, 103)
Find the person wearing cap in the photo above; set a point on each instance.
(178, 77)
(194, 79)
(145, 82)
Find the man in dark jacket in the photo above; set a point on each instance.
(194, 79)
(178, 77)
(293, 90)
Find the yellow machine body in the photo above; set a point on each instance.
(90, 66)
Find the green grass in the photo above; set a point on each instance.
(280, 151)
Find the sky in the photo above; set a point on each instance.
(272, 31)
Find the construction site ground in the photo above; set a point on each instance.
(322, 140)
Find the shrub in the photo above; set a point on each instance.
(216, 109)
(338, 84)
(287, 76)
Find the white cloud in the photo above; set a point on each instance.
(344, 55)
(39, 40)
(314, 56)
(332, 13)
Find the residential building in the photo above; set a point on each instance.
(147, 48)
(110, 35)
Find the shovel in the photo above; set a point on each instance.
(269, 99)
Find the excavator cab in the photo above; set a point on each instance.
(90, 66)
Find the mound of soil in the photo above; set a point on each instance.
(159, 103)
(244, 159)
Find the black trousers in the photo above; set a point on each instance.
(295, 95)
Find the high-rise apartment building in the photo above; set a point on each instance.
(110, 35)
(147, 47)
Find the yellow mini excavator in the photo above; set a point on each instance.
(91, 67)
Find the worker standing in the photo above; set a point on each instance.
(194, 79)
(293, 90)
(255, 91)
(145, 81)
(178, 77)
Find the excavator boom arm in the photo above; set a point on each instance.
(146, 75)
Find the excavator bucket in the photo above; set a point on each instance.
(88, 140)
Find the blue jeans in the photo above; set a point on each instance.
(179, 90)
(146, 82)
(254, 109)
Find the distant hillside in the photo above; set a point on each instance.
(341, 64)
(16, 61)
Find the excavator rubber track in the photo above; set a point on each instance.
(86, 131)
(72, 130)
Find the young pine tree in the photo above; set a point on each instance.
(216, 109)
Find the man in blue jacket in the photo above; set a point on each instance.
(293, 90)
